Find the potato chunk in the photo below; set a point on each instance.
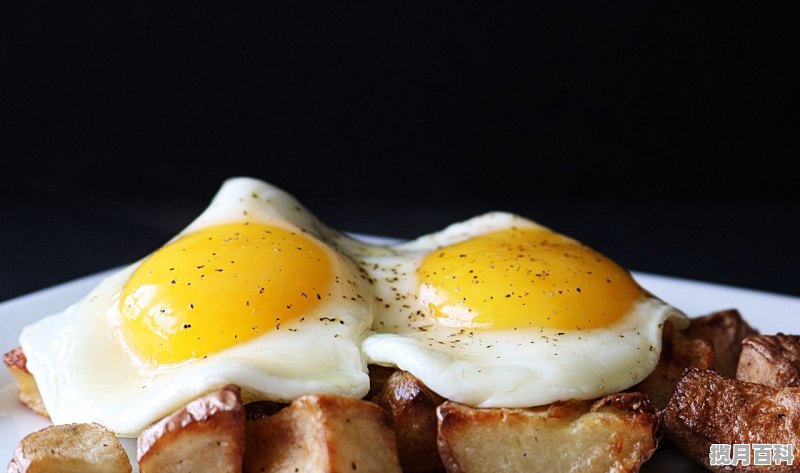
(206, 435)
(378, 376)
(16, 362)
(70, 448)
(725, 329)
(322, 433)
(412, 406)
(260, 409)
(708, 408)
(616, 433)
(773, 360)
(677, 354)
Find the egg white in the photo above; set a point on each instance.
(502, 368)
(86, 373)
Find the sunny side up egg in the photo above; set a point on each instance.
(499, 311)
(253, 293)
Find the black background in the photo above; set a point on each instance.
(664, 134)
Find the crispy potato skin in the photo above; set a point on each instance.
(206, 435)
(725, 330)
(16, 359)
(617, 433)
(259, 409)
(323, 434)
(773, 360)
(378, 376)
(69, 448)
(28, 394)
(412, 407)
(708, 408)
(677, 353)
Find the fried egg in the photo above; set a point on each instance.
(253, 292)
(499, 311)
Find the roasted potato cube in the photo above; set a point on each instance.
(206, 435)
(378, 376)
(16, 362)
(616, 433)
(711, 409)
(70, 448)
(725, 329)
(773, 360)
(322, 433)
(412, 406)
(260, 409)
(677, 354)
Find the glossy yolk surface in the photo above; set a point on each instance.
(221, 286)
(525, 277)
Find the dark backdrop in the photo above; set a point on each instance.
(662, 133)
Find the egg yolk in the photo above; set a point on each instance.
(525, 277)
(221, 286)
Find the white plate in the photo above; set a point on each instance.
(770, 313)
